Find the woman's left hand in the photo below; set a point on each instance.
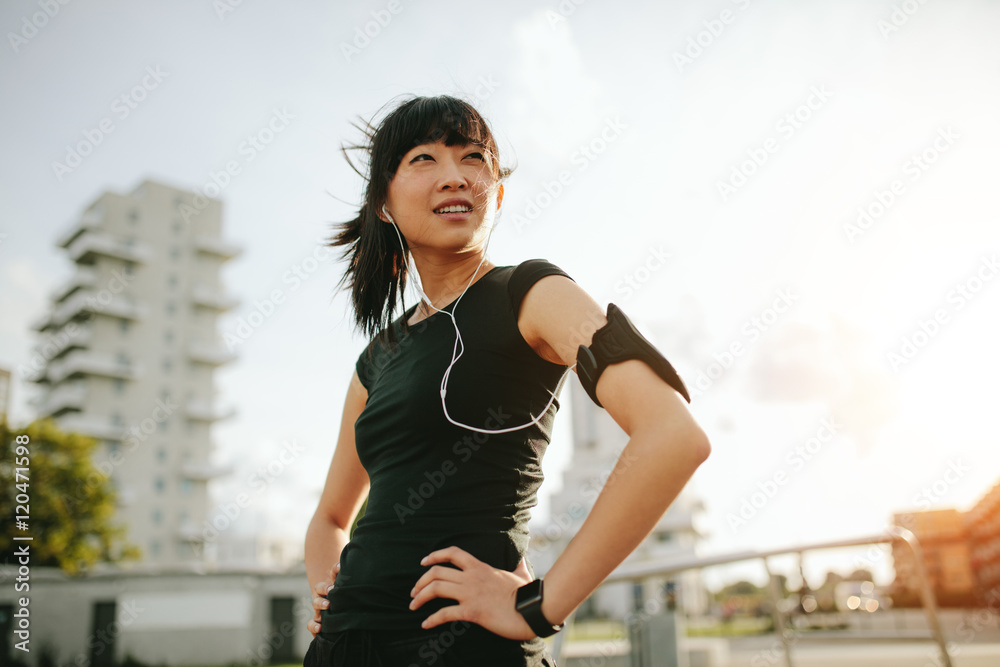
(485, 594)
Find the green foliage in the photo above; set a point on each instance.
(70, 502)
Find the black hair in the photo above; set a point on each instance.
(376, 270)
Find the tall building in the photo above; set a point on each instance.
(128, 351)
(5, 383)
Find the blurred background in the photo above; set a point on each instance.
(795, 200)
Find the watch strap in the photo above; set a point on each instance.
(532, 613)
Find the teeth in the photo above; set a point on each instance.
(458, 208)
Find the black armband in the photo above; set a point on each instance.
(616, 341)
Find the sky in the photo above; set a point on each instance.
(795, 200)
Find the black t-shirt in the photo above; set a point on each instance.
(434, 484)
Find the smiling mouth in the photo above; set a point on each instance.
(458, 208)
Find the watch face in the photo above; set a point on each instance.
(529, 594)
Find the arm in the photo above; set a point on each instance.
(665, 445)
(343, 494)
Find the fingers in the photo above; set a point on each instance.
(455, 555)
(436, 589)
(314, 627)
(437, 572)
(445, 615)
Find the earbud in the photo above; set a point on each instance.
(385, 212)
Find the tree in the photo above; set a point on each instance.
(69, 505)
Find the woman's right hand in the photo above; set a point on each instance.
(320, 602)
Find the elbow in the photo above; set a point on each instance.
(696, 446)
(702, 448)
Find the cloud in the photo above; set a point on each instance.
(25, 291)
(802, 362)
(553, 98)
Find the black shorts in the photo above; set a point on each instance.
(457, 644)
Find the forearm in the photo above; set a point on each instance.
(648, 477)
(324, 542)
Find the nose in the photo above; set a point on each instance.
(452, 177)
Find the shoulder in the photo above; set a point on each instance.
(554, 314)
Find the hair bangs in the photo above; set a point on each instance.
(432, 119)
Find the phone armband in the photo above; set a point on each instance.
(618, 341)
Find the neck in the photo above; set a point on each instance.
(443, 282)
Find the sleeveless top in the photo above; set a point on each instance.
(434, 484)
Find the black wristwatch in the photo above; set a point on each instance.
(529, 604)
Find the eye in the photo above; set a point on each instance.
(420, 157)
(478, 155)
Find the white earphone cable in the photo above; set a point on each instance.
(456, 352)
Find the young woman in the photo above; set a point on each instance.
(449, 412)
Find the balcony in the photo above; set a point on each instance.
(208, 297)
(90, 302)
(82, 277)
(98, 243)
(62, 341)
(216, 247)
(188, 532)
(84, 362)
(202, 472)
(90, 220)
(202, 410)
(213, 354)
(96, 427)
(62, 399)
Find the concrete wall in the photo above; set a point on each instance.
(165, 618)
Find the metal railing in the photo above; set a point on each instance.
(640, 571)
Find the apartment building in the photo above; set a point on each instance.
(943, 538)
(128, 351)
(983, 524)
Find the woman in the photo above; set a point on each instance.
(449, 412)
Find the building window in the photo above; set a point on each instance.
(177, 226)
(128, 268)
(175, 253)
(186, 487)
(119, 386)
(172, 280)
(133, 216)
(159, 484)
(161, 454)
(154, 548)
(166, 365)
(123, 325)
(113, 449)
(157, 516)
(170, 307)
(117, 420)
(168, 336)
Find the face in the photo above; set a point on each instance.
(444, 197)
